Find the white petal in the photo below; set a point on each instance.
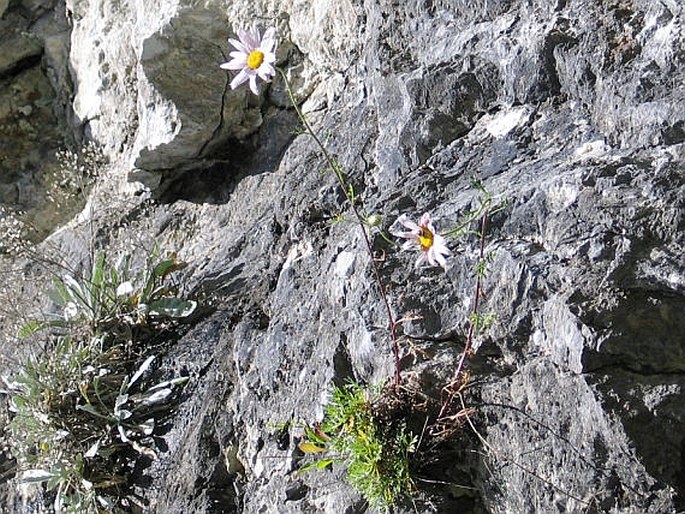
(253, 85)
(407, 235)
(239, 45)
(256, 36)
(425, 221)
(420, 260)
(239, 79)
(430, 258)
(409, 245)
(266, 71)
(245, 40)
(238, 55)
(410, 225)
(254, 33)
(268, 41)
(250, 38)
(439, 259)
(234, 64)
(440, 245)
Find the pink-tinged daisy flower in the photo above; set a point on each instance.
(254, 57)
(433, 246)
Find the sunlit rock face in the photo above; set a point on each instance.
(146, 78)
(573, 111)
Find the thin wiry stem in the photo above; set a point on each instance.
(453, 387)
(335, 166)
(514, 461)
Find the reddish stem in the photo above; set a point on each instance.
(453, 386)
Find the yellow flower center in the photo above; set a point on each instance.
(255, 59)
(425, 239)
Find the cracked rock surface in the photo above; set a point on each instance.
(574, 111)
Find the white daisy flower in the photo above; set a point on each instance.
(433, 246)
(254, 57)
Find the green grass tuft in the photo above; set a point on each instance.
(376, 455)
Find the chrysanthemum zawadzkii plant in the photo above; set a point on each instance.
(254, 56)
(423, 236)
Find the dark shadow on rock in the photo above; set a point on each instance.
(441, 118)
(640, 371)
(649, 415)
(342, 363)
(7, 467)
(215, 176)
(642, 333)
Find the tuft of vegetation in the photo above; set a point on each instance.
(375, 454)
(112, 295)
(86, 409)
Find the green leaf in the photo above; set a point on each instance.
(317, 464)
(30, 328)
(172, 382)
(59, 294)
(158, 396)
(119, 273)
(172, 307)
(310, 447)
(33, 476)
(147, 426)
(53, 482)
(98, 274)
(168, 266)
(93, 450)
(141, 370)
(316, 435)
(77, 292)
(92, 410)
(122, 414)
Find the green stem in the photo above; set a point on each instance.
(470, 218)
(335, 166)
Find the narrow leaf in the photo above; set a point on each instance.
(59, 294)
(309, 447)
(98, 270)
(147, 426)
(93, 450)
(317, 464)
(30, 328)
(172, 307)
(168, 266)
(156, 397)
(33, 476)
(172, 382)
(91, 410)
(122, 434)
(73, 288)
(123, 414)
(141, 370)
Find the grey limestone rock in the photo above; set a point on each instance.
(572, 110)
